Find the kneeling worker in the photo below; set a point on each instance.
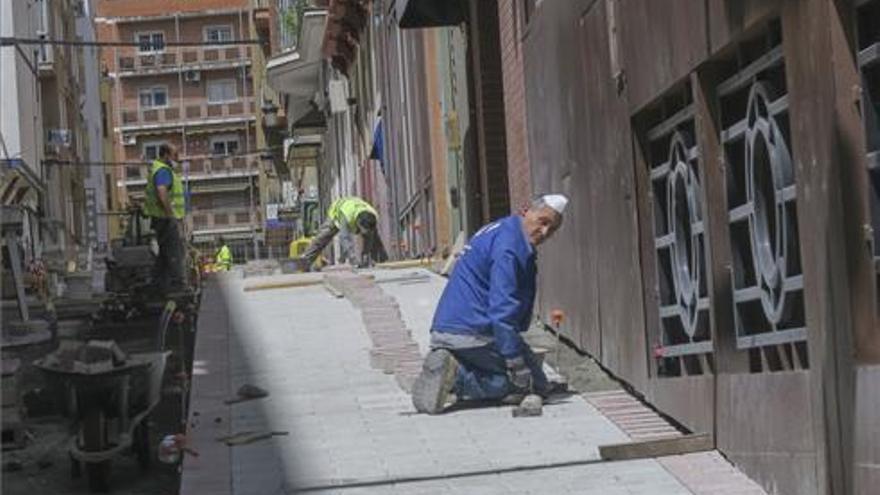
(477, 352)
(350, 216)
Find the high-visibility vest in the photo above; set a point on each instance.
(224, 258)
(152, 206)
(344, 211)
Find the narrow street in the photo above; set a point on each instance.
(350, 428)
(267, 247)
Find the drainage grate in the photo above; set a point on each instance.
(869, 63)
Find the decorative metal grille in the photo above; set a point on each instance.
(685, 345)
(869, 62)
(762, 203)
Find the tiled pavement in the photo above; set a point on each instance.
(352, 429)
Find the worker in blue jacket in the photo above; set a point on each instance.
(477, 348)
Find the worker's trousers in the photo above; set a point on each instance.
(482, 373)
(372, 245)
(168, 270)
(325, 235)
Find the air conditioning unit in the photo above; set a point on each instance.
(129, 140)
(59, 137)
(192, 76)
(338, 95)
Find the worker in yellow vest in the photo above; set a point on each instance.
(350, 216)
(164, 205)
(223, 260)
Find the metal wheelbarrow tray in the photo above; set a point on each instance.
(109, 407)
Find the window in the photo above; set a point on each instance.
(155, 97)
(218, 33)
(151, 149)
(224, 145)
(150, 42)
(222, 91)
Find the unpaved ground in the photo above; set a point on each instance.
(45, 466)
(583, 374)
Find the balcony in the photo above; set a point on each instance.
(189, 58)
(227, 220)
(153, 118)
(201, 168)
(220, 167)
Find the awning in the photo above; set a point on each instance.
(430, 13)
(18, 182)
(297, 73)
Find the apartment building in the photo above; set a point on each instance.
(199, 98)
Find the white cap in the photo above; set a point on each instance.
(555, 201)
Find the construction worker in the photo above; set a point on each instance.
(477, 351)
(350, 216)
(223, 260)
(164, 205)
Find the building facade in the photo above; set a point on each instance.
(21, 128)
(719, 252)
(197, 97)
(50, 135)
(410, 119)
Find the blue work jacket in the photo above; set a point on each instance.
(492, 289)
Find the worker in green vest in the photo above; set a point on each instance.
(223, 260)
(350, 216)
(164, 205)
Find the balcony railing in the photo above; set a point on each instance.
(229, 165)
(224, 219)
(189, 58)
(204, 168)
(244, 107)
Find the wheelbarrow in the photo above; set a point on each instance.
(108, 405)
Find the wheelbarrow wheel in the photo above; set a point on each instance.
(95, 440)
(141, 444)
(98, 473)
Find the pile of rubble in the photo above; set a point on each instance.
(94, 356)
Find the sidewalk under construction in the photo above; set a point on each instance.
(336, 354)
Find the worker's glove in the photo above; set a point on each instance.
(519, 374)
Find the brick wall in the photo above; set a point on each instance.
(488, 68)
(518, 167)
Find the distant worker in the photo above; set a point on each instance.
(223, 260)
(164, 204)
(477, 350)
(350, 216)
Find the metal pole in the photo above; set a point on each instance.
(247, 138)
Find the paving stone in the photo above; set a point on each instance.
(349, 421)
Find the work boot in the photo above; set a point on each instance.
(513, 399)
(433, 387)
(553, 388)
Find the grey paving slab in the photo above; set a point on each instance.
(348, 424)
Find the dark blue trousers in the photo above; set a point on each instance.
(482, 373)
